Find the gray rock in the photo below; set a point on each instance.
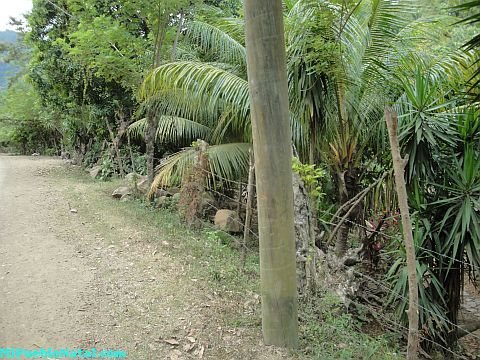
(173, 190)
(160, 201)
(138, 182)
(161, 192)
(121, 191)
(95, 171)
(126, 197)
(208, 198)
(209, 205)
(228, 220)
(129, 177)
(142, 186)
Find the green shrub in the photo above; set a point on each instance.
(330, 333)
(107, 169)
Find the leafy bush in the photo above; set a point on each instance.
(51, 152)
(107, 169)
(93, 154)
(139, 164)
(310, 175)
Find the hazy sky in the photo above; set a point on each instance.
(13, 8)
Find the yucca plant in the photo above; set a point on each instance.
(430, 289)
(440, 135)
(458, 231)
(425, 123)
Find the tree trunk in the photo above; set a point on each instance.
(272, 139)
(150, 147)
(160, 36)
(239, 198)
(177, 36)
(312, 199)
(399, 169)
(248, 211)
(122, 122)
(152, 124)
(341, 244)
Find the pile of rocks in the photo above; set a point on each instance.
(137, 185)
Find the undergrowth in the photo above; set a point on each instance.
(326, 332)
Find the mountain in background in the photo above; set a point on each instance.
(7, 70)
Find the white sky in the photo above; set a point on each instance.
(15, 8)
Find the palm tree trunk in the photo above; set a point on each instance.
(267, 78)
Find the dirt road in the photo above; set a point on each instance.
(109, 275)
(40, 278)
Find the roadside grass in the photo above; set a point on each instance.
(326, 332)
(330, 333)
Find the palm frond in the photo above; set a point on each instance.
(137, 129)
(226, 162)
(214, 40)
(216, 88)
(179, 130)
(173, 129)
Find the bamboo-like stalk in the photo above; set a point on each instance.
(267, 78)
(399, 164)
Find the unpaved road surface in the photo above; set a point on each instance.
(102, 277)
(39, 277)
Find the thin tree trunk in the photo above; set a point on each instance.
(248, 212)
(399, 168)
(132, 159)
(312, 200)
(267, 78)
(150, 147)
(152, 124)
(159, 37)
(341, 244)
(177, 36)
(113, 151)
(239, 198)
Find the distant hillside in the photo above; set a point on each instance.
(8, 36)
(7, 70)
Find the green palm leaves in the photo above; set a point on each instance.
(225, 161)
(461, 208)
(173, 129)
(425, 123)
(213, 40)
(209, 87)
